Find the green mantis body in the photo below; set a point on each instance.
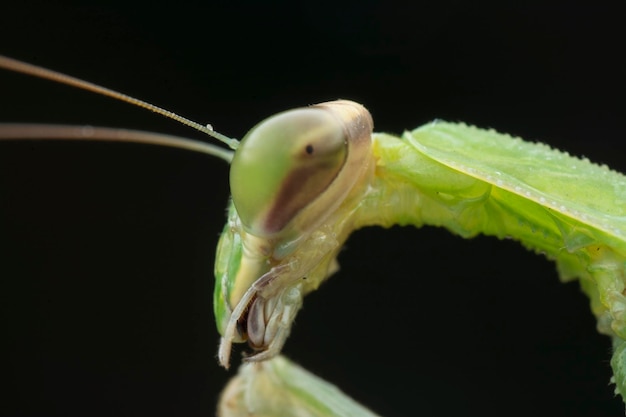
(471, 181)
(468, 180)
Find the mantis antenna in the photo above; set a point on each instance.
(12, 131)
(40, 72)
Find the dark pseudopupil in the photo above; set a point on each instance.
(309, 149)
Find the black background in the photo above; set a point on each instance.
(107, 250)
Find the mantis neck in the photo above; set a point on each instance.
(409, 188)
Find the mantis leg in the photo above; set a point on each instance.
(280, 388)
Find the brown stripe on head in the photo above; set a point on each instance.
(300, 187)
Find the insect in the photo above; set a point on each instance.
(330, 175)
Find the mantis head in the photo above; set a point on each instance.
(288, 177)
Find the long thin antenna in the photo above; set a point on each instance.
(40, 72)
(16, 131)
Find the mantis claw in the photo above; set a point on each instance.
(266, 331)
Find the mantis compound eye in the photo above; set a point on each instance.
(283, 164)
